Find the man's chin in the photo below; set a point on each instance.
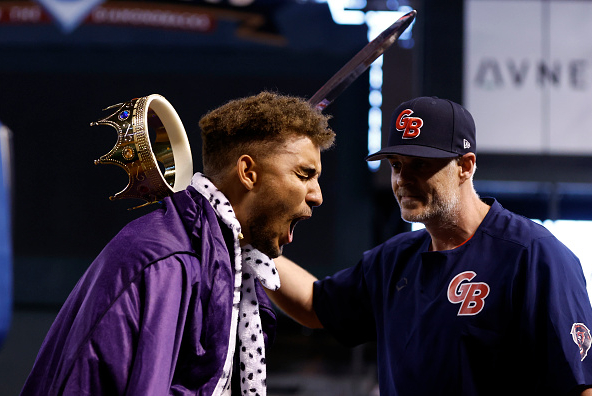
(411, 216)
(273, 253)
(270, 250)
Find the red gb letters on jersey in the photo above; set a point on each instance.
(470, 295)
(411, 126)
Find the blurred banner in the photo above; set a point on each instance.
(69, 13)
(5, 232)
(528, 75)
(249, 19)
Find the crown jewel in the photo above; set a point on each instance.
(156, 169)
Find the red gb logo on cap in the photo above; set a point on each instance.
(409, 125)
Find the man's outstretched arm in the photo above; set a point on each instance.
(295, 294)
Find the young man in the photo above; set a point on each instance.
(480, 302)
(173, 304)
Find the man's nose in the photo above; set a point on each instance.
(402, 176)
(315, 196)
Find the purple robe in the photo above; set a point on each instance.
(151, 315)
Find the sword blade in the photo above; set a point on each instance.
(360, 62)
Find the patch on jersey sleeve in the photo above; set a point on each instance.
(581, 336)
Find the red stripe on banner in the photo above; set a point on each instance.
(123, 14)
(153, 16)
(22, 12)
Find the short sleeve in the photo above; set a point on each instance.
(343, 306)
(559, 306)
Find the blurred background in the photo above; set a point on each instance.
(522, 67)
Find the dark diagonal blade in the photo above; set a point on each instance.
(360, 62)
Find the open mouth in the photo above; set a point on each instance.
(293, 225)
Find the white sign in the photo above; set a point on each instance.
(528, 75)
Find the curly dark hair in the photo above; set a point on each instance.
(255, 125)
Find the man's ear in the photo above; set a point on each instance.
(467, 164)
(245, 169)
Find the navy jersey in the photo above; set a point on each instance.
(506, 313)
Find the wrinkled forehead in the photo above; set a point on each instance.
(295, 149)
(294, 144)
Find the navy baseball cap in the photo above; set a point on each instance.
(429, 127)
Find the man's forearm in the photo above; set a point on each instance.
(295, 294)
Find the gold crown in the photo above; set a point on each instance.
(156, 169)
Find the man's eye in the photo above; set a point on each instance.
(396, 165)
(419, 164)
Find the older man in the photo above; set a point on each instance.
(161, 308)
(480, 302)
